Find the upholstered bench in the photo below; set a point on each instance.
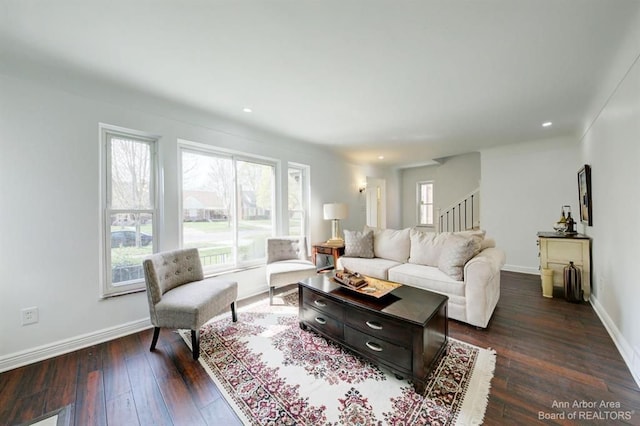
(287, 262)
(181, 298)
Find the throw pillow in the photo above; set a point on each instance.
(477, 235)
(358, 244)
(487, 243)
(456, 252)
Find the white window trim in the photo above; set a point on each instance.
(106, 288)
(197, 147)
(306, 195)
(420, 204)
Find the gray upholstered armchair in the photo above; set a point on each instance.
(287, 262)
(181, 298)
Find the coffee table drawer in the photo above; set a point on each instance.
(377, 348)
(378, 326)
(322, 322)
(323, 304)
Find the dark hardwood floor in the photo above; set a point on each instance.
(550, 353)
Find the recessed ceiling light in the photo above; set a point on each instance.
(380, 157)
(547, 124)
(245, 109)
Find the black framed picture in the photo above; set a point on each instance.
(584, 194)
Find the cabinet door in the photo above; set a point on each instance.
(556, 253)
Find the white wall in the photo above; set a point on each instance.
(612, 147)
(523, 189)
(454, 179)
(49, 210)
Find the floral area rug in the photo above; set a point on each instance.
(274, 373)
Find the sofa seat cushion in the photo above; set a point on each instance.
(428, 278)
(376, 267)
(289, 271)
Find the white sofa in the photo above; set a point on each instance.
(464, 266)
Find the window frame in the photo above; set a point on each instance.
(235, 156)
(305, 172)
(107, 132)
(420, 202)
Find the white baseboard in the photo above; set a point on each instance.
(630, 357)
(39, 353)
(521, 269)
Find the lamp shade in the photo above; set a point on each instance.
(335, 211)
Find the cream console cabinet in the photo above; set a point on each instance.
(557, 250)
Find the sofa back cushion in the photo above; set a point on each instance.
(426, 247)
(392, 244)
(358, 244)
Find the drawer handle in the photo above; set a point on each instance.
(320, 303)
(321, 320)
(374, 346)
(374, 325)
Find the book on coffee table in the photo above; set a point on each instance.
(352, 280)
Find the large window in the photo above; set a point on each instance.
(425, 203)
(129, 207)
(227, 207)
(297, 199)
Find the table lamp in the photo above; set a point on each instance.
(334, 212)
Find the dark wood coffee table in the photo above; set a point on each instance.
(404, 331)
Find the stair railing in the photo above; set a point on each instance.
(461, 215)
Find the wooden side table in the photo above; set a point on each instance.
(328, 249)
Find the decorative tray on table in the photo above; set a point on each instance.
(364, 285)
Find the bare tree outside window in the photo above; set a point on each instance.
(130, 208)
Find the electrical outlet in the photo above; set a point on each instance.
(29, 315)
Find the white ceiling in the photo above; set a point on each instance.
(410, 80)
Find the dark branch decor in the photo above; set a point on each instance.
(584, 194)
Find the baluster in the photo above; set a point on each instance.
(466, 225)
(472, 224)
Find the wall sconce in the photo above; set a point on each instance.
(362, 187)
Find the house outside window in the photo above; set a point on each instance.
(129, 206)
(227, 206)
(424, 201)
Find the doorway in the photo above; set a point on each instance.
(376, 203)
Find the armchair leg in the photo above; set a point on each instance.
(156, 333)
(195, 343)
(270, 296)
(234, 316)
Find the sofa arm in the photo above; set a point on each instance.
(482, 285)
(493, 258)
